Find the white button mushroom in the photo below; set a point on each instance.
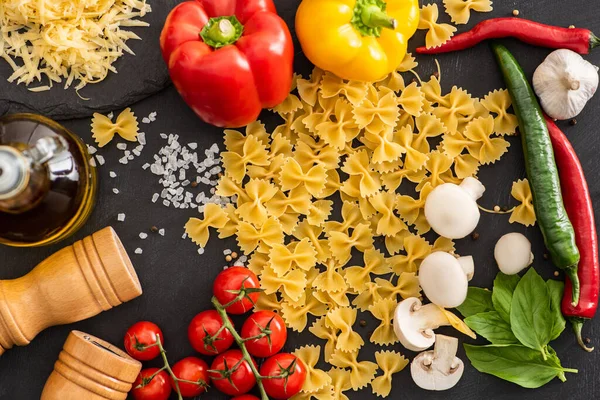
(443, 279)
(565, 82)
(451, 209)
(438, 369)
(513, 253)
(414, 323)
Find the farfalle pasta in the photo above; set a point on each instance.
(197, 229)
(389, 224)
(333, 86)
(416, 249)
(375, 263)
(524, 213)
(316, 379)
(361, 372)
(253, 210)
(253, 152)
(300, 254)
(341, 244)
(456, 105)
(104, 130)
(344, 129)
(292, 283)
(341, 381)
(322, 331)
(492, 148)
(407, 285)
(498, 102)
(296, 316)
(383, 310)
(341, 319)
(293, 176)
(390, 363)
(378, 111)
(358, 165)
(437, 33)
(330, 280)
(460, 10)
(250, 238)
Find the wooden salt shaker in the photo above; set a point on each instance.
(76, 283)
(89, 368)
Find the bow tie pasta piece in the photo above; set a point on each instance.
(410, 208)
(230, 228)
(406, 286)
(334, 87)
(289, 221)
(292, 176)
(465, 165)
(344, 129)
(350, 216)
(326, 155)
(341, 382)
(341, 244)
(370, 295)
(249, 238)
(280, 145)
(389, 224)
(378, 111)
(269, 172)
(296, 317)
(298, 199)
(524, 213)
(268, 302)
(390, 362)
(455, 143)
(416, 248)
(395, 81)
(253, 153)
(414, 159)
(458, 103)
(375, 263)
(358, 164)
(308, 89)
(460, 10)
(342, 319)
(257, 262)
(197, 229)
(235, 140)
(395, 244)
(316, 379)
(330, 280)
(437, 33)
(361, 372)
(305, 230)
(429, 126)
(383, 146)
(393, 180)
(292, 283)
(412, 99)
(332, 299)
(439, 172)
(322, 112)
(104, 130)
(291, 103)
(384, 334)
(259, 192)
(298, 254)
(498, 102)
(492, 148)
(319, 212)
(292, 123)
(227, 187)
(322, 331)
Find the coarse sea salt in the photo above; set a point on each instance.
(112, 174)
(121, 217)
(138, 251)
(143, 235)
(122, 146)
(161, 232)
(115, 191)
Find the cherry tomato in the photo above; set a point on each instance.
(292, 372)
(191, 369)
(232, 282)
(246, 397)
(140, 340)
(264, 323)
(229, 377)
(202, 330)
(156, 389)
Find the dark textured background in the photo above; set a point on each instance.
(177, 281)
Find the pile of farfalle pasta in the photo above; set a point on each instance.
(378, 150)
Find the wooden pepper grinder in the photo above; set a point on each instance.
(78, 282)
(89, 368)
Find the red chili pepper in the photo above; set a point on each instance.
(578, 203)
(554, 37)
(228, 59)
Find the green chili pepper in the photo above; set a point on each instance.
(552, 217)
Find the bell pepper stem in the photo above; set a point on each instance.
(577, 324)
(222, 31)
(374, 17)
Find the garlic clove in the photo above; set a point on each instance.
(565, 82)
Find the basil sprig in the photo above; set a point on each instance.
(520, 317)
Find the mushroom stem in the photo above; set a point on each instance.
(444, 351)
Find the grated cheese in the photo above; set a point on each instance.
(71, 40)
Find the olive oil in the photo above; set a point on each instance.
(47, 185)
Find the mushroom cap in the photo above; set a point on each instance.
(443, 280)
(451, 211)
(468, 265)
(425, 374)
(513, 253)
(408, 326)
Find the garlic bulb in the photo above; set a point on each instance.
(565, 82)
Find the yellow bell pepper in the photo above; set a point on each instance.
(361, 40)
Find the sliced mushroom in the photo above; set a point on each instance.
(438, 369)
(414, 323)
(443, 279)
(452, 211)
(513, 253)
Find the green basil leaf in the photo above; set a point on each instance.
(556, 290)
(478, 301)
(516, 364)
(531, 317)
(504, 287)
(491, 326)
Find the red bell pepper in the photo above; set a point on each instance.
(228, 59)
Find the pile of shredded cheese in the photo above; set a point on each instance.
(74, 40)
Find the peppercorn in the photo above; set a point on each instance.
(475, 236)
(546, 256)
(194, 184)
(154, 229)
(573, 122)
(588, 340)
(362, 323)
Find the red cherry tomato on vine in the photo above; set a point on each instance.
(246, 397)
(158, 388)
(236, 281)
(191, 369)
(140, 340)
(291, 372)
(230, 376)
(264, 323)
(202, 330)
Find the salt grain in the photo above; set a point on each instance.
(143, 235)
(122, 146)
(141, 138)
(155, 197)
(138, 251)
(226, 252)
(124, 160)
(92, 162)
(200, 250)
(112, 174)
(161, 232)
(115, 191)
(91, 150)
(121, 217)
(145, 166)
(100, 159)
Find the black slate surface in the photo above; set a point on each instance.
(177, 281)
(138, 77)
